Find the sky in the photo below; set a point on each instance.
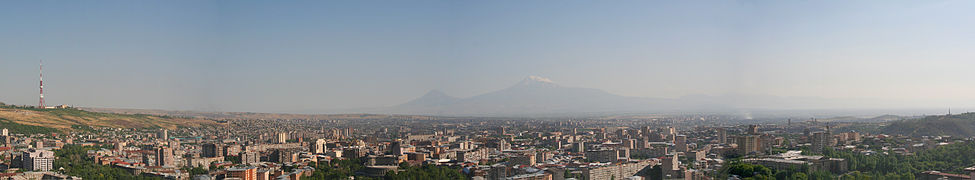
(273, 56)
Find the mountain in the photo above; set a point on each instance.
(532, 96)
(958, 125)
(433, 98)
(538, 96)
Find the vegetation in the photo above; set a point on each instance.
(80, 120)
(951, 158)
(233, 159)
(16, 128)
(758, 172)
(749, 171)
(338, 169)
(83, 128)
(196, 170)
(959, 125)
(426, 172)
(75, 161)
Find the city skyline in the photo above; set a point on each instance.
(487, 90)
(221, 56)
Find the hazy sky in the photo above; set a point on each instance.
(274, 56)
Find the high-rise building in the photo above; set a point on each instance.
(503, 145)
(579, 147)
(629, 143)
(396, 148)
(248, 157)
(146, 160)
(681, 142)
(820, 140)
(670, 163)
(284, 156)
(38, 160)
(748, 144)
(642, 143)
(165, 157)
(282, 138)
(752, 129)
(722, 135)
(319, 147)
(164, 134)
(212, 150)
(6, 137)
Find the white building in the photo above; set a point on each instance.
(34, 160)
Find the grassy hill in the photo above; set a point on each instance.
(961, 125)
(252, 115)
(16, 116)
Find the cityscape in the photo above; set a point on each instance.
(253, 90)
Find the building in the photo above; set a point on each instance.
(971, 172)
(38, 160)
(472, 155)
(618, 171)
(284, 156)
(748, 144)
(936, 175)
(783, 164)
(820, 140)
(243, 173)
(680, 143)
(794, 160)
(282, 138)
(524, 159)
(396, 148)
(722, 135)
(579, 147)
(165, 157)
(532, 176)
(319, 147)
(164, 134)
(541, 156)
(416, 157)
(203, 162)
(503, 145)
(247, 157)
(670, 168)
(753, 129)
(608, 155)
(212, 150)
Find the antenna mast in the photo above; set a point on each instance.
(40, 103)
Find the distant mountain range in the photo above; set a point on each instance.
(534, 95)
(540, 96)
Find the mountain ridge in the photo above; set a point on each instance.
(535, 95)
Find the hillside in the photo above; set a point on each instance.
(961, 125)
(252, 115)
(66, 118)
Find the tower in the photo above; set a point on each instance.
(40, 103)
(164, 157)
